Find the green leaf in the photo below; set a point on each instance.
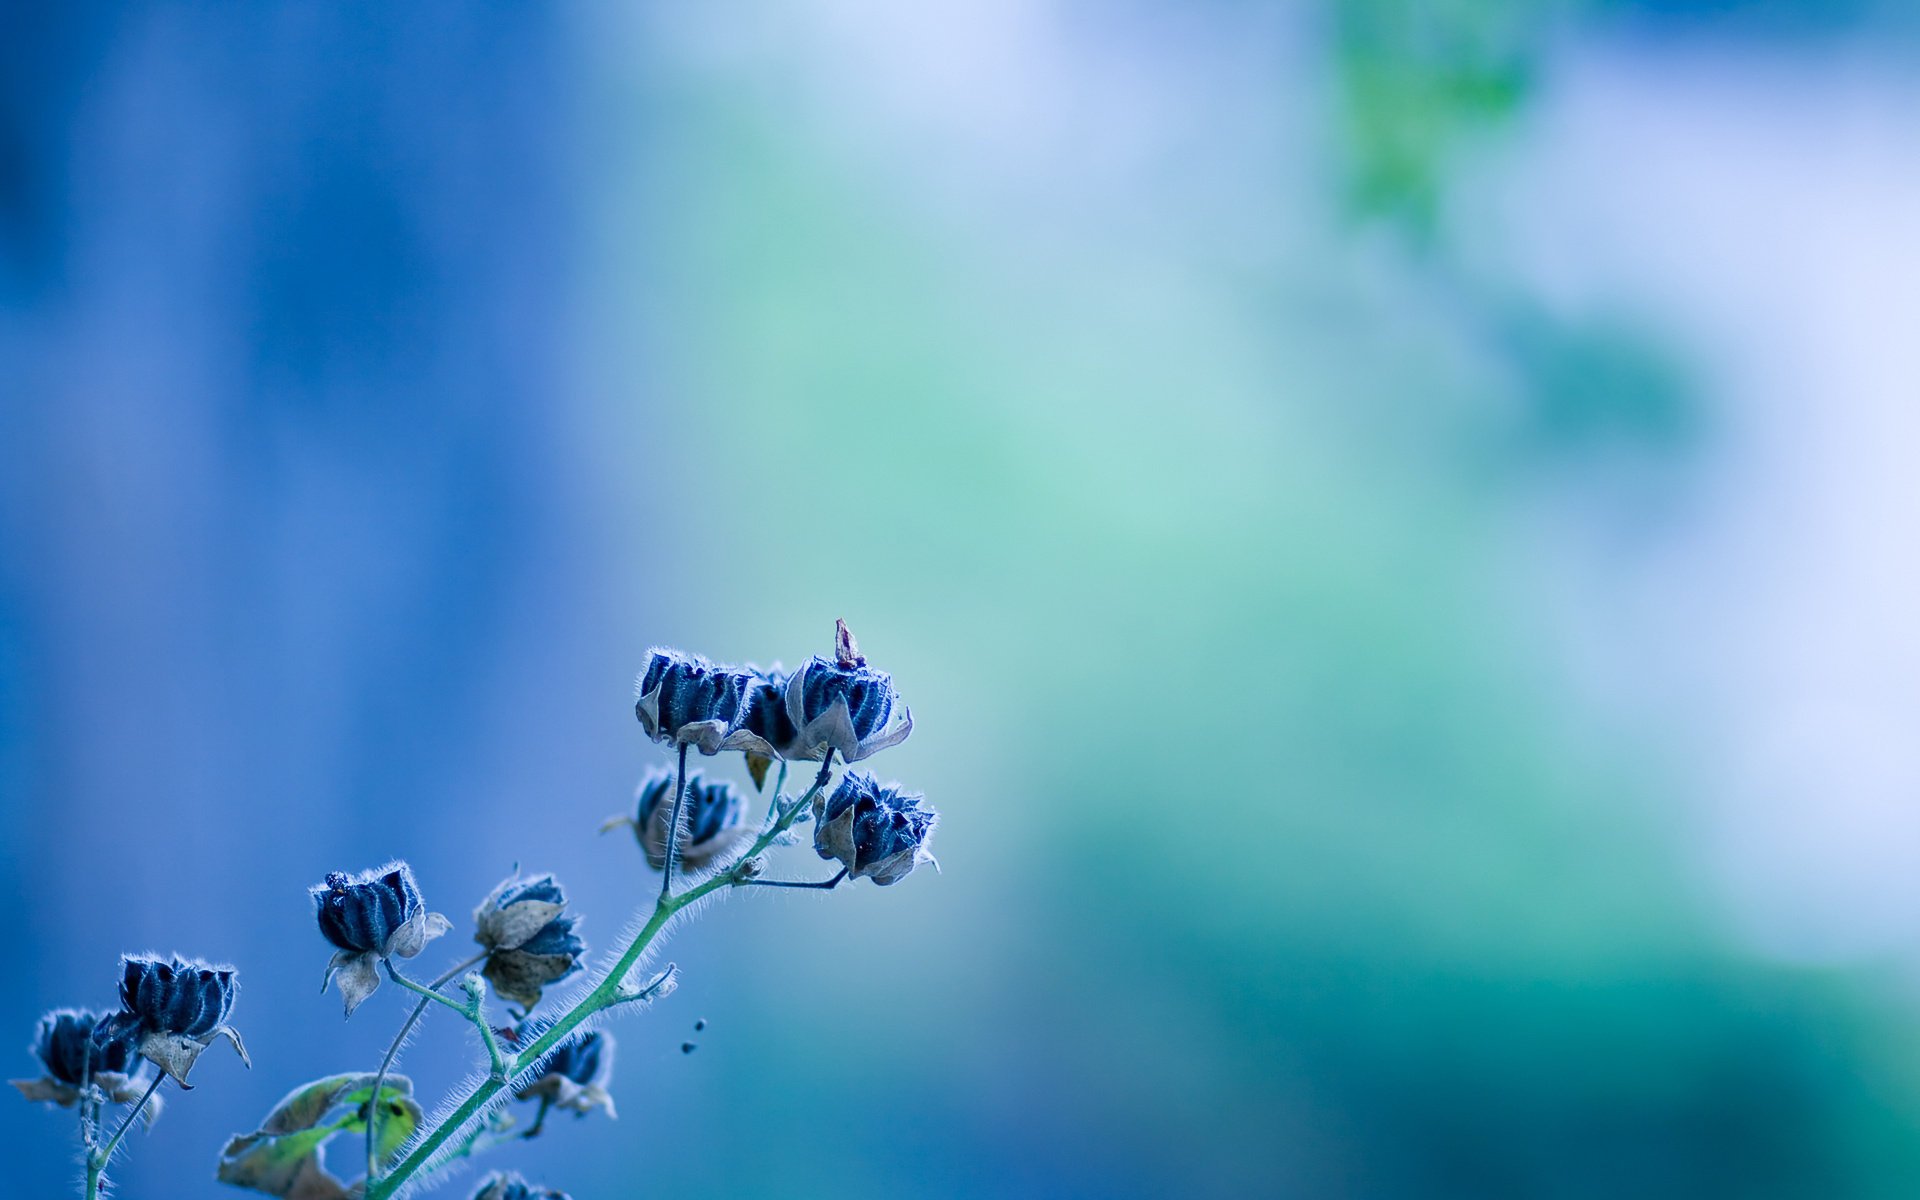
(399, 1114)
(284, 1156)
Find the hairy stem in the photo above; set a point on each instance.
(823, 884)
(380, 1079)
(673, 824)
(773, 802)
(475, 1010)
(97, 1160)
(605, 994)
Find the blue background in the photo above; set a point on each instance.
(1394, 520)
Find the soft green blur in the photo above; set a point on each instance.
(1130, 383)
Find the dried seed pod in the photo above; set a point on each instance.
(687, 701)
(876, 831)
(529, 937)
(171, 1010)
(369, 917)
(840, 704)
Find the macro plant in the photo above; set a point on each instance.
(548, 1057)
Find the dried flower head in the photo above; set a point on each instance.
(876, 832)
(73, 1060)
(686, 700)
(574, 1077)
(529, 937)
(765, 729)
(171, 1010)
(508, 1186)
(370, 917)
(843, 705)
(714, 818)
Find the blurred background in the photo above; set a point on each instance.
(1396, 520)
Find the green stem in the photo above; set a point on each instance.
(424, 992)
(605, 995)
(475, 1010)
(540, 1118)
(380, 1079)
(773, 802)
(97, 1160)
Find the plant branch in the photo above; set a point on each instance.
(823, 884)
(673, 825)
(97, 1160)
(604, 995)
(475, 1010)
(380, 1079)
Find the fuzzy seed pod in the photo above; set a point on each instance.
(369, 917)
(765, 729)
(687, 701)
(714, 819)
(64, 1042)
(529, 937)
(574, 1077)
(876, 832)
(840, 704)
(171, 1010)
(508, 1186)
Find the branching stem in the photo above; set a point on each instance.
(605, 994)
(475, 1010)
(97, 1160)
(380, 1079)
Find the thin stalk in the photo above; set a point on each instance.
(673, 825)
(475, 1010)
(773, 802)
(97, 1160)
(605, 994)
(823, 884)
(380, 1079)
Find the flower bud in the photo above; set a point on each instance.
(171, 1010)
(686, 700)
(529, 937)
(714, 817)
(370, 917)
(64, 1042)
(876, 832)
(765, 728)
(574, 1077)
(840, 704)
(507, 1186)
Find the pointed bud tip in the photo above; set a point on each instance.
(846, 651)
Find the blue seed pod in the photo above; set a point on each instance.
(361, 914)
(64, 1042)
(876, 832)
(580, 1059)
(368, 917)
(715, 816)
(507, 1186)
(180, 996)
(529, 937)
(686, 700)
(765, 728)
(171, 1009)
(840, 704)
(574, 1077)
